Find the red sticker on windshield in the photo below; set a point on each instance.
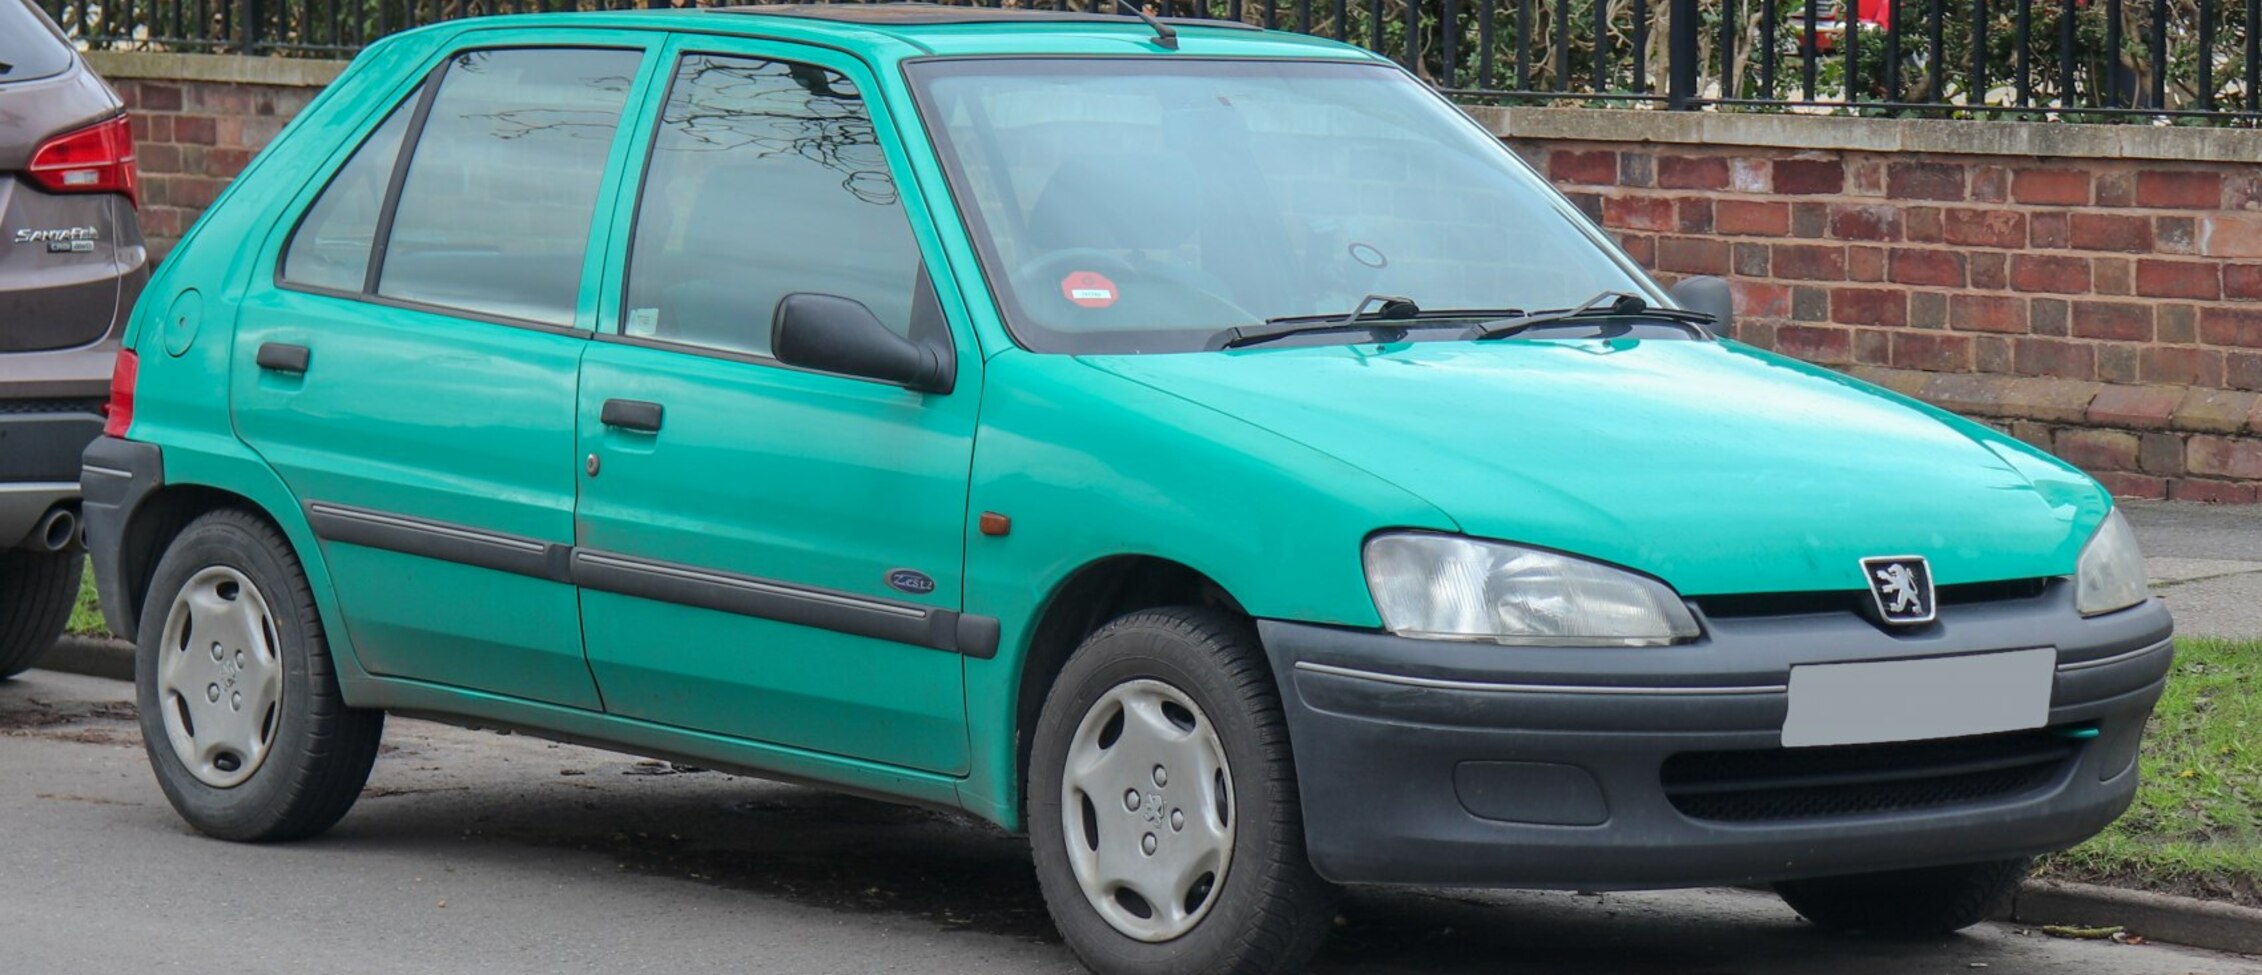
(1088, 289)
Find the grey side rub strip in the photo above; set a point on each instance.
(439, 540)
(1674, 691)
(627, 575)
(1466, 685)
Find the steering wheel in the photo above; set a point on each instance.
(1170, 294)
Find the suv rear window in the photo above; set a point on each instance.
(28, 49)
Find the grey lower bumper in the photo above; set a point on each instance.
(117, 475)
(1433, 763)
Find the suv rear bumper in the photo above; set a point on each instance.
(1436, 763)
(40, 443)
(23, 504)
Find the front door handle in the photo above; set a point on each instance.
(284, 357)
(632, 414)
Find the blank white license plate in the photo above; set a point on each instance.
(1912, 700)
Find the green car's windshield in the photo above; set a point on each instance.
(1145, 204)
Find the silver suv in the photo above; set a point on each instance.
(71, 264)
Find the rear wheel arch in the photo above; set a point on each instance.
(1096, 593)
(151, 528)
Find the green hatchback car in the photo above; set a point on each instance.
(1205, 449)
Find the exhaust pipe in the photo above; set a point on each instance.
(54, 532)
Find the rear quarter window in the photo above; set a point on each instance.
(29, 50)
(331, 248)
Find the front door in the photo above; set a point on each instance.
(767, 552)
(410, 373)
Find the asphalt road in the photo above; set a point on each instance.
(476, 852)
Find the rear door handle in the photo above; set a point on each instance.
(284, 357)
(632, 414)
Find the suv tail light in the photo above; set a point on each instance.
(119, 414)
(95, 159)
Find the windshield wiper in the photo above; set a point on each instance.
(1621, 305)
(1394, 309)
(1392, 320)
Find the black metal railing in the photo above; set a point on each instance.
(2082, 60)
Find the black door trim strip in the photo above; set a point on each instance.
(446, 541)
(669, 582)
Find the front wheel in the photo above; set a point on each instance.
(1933, 900)
(1163, 812)
(240, 710)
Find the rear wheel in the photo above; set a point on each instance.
(240, 711)
(1163, 811)
(1933, 900)
(37, 592)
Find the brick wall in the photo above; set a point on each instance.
(2094, 290)
(2106, 309)
(198, 120)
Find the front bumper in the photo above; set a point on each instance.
(1457, 764)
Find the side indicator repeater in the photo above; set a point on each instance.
(993, 523)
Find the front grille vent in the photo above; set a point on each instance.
(1809, 783)
(1744, 605)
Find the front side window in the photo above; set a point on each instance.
(766, 179)
(1145, 204)
(331, 247)
(494, 215)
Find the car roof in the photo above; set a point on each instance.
(900, 30)
(914, 14)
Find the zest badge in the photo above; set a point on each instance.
(911, 581)
(1088, 289)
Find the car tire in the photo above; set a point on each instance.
(37, 592)
(1930, 901)
(240, 711)
(1187, 688)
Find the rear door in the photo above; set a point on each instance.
(411, 371)
(768, 552)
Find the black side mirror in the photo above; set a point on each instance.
(830, 333)
(1710, 296)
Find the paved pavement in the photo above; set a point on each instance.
(2206, 561)
(477, 852)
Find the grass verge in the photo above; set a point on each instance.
(86, 617)
(2196, 827)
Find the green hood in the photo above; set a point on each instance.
(1714, 466)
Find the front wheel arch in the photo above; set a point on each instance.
(1095, 594)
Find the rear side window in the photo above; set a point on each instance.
(28, 50)
(331, 248)
(494, 215)
(766, 179)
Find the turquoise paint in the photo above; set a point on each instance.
(1714, 466)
